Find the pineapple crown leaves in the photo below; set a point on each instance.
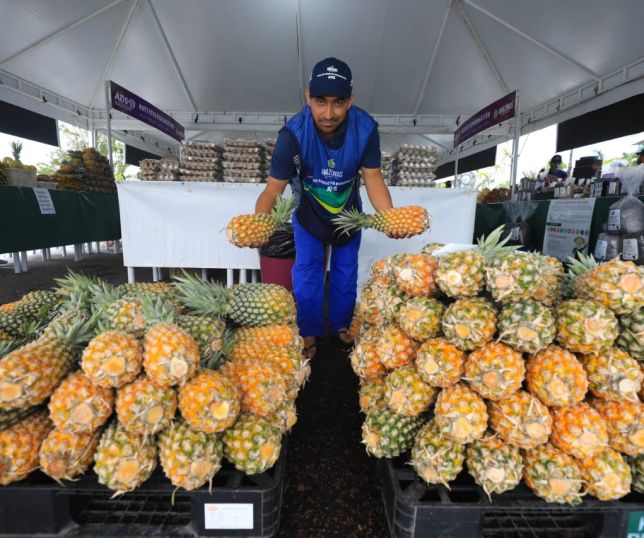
(350, 220)
(493, 246)
(202, 297)
(283, 209)
(583, 263)
(16, 149)
(78, 332)
(157, 310)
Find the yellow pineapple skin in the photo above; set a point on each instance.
(277, 335)
(170, 355)
(112, 359)
(263, 387)
(614, 375)
(20, 446)
(460, 414)
(406, 393)
(585, 326)
(607, 474)
(548, 289)
(440, 363)
(521, 420)
(495, 371)
(65, 455)
(253, 444)
(624, 423)
(400, 222)
(395, 348)
(579, 431)
(145, 408)
(495, 465)
(469, 323)
(461, 274)
(556, 377)
(30, 374)
(553, 475)
(372, 395)
(365, 360)
(210, 402)
(79, 406)
(420, 318)
(415, 274)
(250, 231)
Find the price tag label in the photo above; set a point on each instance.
(228, 516)
(45, 202)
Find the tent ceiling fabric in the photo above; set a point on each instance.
(244, 56)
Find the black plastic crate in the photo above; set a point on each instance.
(38, 506)
(418, 510)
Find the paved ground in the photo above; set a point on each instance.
(331, 488)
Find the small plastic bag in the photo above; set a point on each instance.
(632, 248)
(517, 226)
(281, 244)
(607, 247)
(626, 216)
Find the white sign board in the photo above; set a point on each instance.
(45, 202)
(228, 516)
(568, 227)
(173, 224)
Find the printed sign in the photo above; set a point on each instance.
(131, 104)
(635, 525)
(228, 516)
(568, 227)
(497, 112)
(45, 202)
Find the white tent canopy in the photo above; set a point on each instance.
(222, 67)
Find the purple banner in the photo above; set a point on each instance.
(497, 112)
(125, 101)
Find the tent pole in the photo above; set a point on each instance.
(108, 115)
(455, 183)
(515, 144)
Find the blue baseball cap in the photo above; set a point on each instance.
(331, 77)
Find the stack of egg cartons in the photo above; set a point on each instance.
(201, 161)
(415, 166)
(386, 166)
(244, 161)
(149, 169)
(168, 169)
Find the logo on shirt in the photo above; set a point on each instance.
(331, 163)
(332, 69)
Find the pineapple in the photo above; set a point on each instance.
(414, 274)
(16, 151)
(495, 371)
(616, 284)
(469, 323)
(276, 335)
(244, 304)
(64, 455)
(372, 396)
(607, 474)
(460, 274)
(440, 363)
(513, 276)
(170, 355)
(637, 472)
(436, 459)
(286, 358)
(579, 431)
(585, 326)
(431, 248)
(19, 446)
(460, 414)
(10, 417)
(263, 387)
(556, 377)
(388, 301)
(406, 393)
(145, 408)
(79, 406)
(527, 326)
(189, 458)
(208, 332)
(32, 308)
(285, 417)
(365, 359)
(495, 465)
(548, 289)
(124, 460)
(209, 402)
(395, 348)
(253, 444)
(631, 337)
(112, 359)
(30, 374)
(387, 434)
(126, 315)
(368, 307)
(553, 475)
(614, 375)
(162, 290)
(380, 269)
(395, 222)
(254, 231)
(420, 318)
(521, 420)
(624, 423)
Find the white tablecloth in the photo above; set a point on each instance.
(173, 224)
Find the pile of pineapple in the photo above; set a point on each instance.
(118, 377)
(85, 170)
(501, 360)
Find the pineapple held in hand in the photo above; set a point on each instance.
(395, 222)
(189, 458)
(255, 230)
(436, 459)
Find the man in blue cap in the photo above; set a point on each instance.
(320, 150)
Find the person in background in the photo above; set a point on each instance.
(554, 173)
(640, 156)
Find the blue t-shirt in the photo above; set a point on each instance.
(301, 155)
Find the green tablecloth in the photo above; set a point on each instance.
(80, 218)
(491, 216)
